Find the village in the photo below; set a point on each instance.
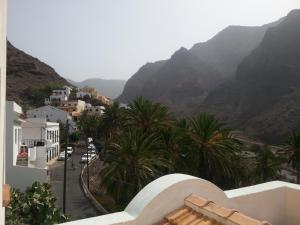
(34, 139)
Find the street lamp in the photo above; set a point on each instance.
(87, 166)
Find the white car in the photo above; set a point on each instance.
(90, 140)
(69, 151)
(91, 146)
(61, 156)
(84, 158)
(92, 152)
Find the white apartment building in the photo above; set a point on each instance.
(24, 164)
(52, 114)
(40, 132)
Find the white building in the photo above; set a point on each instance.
(24, 164)
(59, 95)
(96, 110)
(4, 189)
(74, 108)
(38, 131)
(179, 199)
(82, 94)
(52, 114)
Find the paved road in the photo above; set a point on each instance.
(77, 205)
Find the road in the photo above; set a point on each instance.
(77, 205)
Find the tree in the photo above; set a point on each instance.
(267, 165)
(88, 125)
(34, 207)
(146, 115)
(111, 121)
(131, 162)
(215, 149)
(175, 146)
(74, 136)
(294, 149)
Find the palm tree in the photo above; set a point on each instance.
(88, 124)
(175, 146)
(267, 165)
(294, 148)
(146, 115)
(111, 120)
(131, 162)
(215, 147)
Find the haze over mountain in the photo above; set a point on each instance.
(25, 72)
(263, 99)
(189, 75)
(109, 88)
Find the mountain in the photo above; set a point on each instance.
(263, 99)
(25, 73)
(185, 79)
(109, 88)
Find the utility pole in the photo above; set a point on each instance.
(87, 165)
(65, 166)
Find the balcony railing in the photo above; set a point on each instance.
(34, 142)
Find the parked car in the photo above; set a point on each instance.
(85, 158)
(90, 140)
(91, 146)
(61, 156)
(92, 151)
(70, 151)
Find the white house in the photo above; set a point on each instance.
(82, 94)
(38, 131)
(59, 95)
(52, 114)
(96, 110)
(24, 164)
(74, 108)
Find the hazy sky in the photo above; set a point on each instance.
(113, 38)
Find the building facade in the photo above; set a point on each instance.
(53, 114)
(95, 110)
(24, 164)
(58, 96)
(74, 108)
(40, 132)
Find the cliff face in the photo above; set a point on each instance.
(25, 72)
(188, 76)
(264, 97)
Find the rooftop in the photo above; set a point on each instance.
(200, 211)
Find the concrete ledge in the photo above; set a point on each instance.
(88, 194)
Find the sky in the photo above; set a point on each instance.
(112, 39)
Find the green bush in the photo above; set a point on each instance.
(35, 206)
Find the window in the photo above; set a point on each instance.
(16, 135)
(20, 135)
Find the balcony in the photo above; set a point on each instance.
(34, 142)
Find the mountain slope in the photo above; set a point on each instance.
(109, 88)
(264, 98)
(178, 82)
(227, 49)
(25, 72)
